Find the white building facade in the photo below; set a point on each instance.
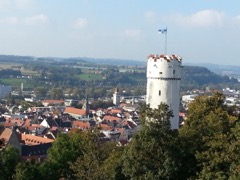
(163, 83)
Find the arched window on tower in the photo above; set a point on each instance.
(159, 93)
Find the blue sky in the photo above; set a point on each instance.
(199, 31)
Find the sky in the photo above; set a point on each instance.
(202, 31)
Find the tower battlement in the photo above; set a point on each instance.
(164, 66)
(168, 58)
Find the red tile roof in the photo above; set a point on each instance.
(19, 122)
(75, 111)
(80, 125)
(116, 111)
(111, 118)
(6, 134)
(34, 140)
(105, 127)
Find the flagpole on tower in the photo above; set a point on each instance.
(165, 43)
(164, 31)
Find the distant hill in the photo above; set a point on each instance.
(201, 77)
(16, 59)
(116, 62)
(229, 70)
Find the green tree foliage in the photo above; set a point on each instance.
(77, 93)
(101, 104)
(65, 150)
(198, 77)
(9, 158)
(56, 93)
(151, 153)
(80, 155)
(9, 72)
(41, 91)
(233, 150)
(28, 171)
(206, 139)
(113, 165)
(89, 165)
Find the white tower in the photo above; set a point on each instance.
(163, 83)
(116, 97)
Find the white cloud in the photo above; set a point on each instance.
(16, 4)
(4, 3)
(150, 16)
(31, 20)
(236, 19)
(37, 19)
(23, 4)
(132, 32)
(80, 23)
(204, 18)
(9, 20)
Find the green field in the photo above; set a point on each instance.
(18, 66)
(9, 65)
(16, 82)
(90, 77)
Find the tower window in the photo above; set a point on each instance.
(160, 72)
(173, 71)
(159, 93)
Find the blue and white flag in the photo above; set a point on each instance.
(162, 31)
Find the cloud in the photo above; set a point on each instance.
(10, 20)
(150, 16)
(236, 19)
(132, 32)
(4, 3)
(204, 18)
(80, 23)
(16, 4)
(37, 19)
(23, 4)
(31, 20)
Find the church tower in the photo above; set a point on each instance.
(163, 83)
(116, 97)
(86, 106)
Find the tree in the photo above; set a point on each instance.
(205, 138)
(76, 93)
(41, 91)
(69, 92)
(56, 93)
(9, 158)
(28, 170)
(234, 150)
(151, 152)
(113, 165)
(65, 150)
(89, 165)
